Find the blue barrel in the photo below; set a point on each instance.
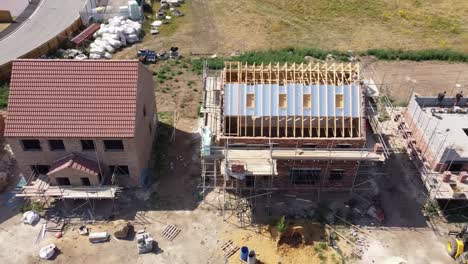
(244, 253)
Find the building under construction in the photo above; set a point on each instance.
(284, 127)
(436, 134)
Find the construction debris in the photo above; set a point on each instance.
(83, 230)
(99, 237)
(293, 236)
(174, 53)
(70, 54)
(30, 217)
(177, 13)
(122, 229)
(117, 33)
(55, 224)
(145, 243)
(47, 252)
(170, 232)
(229, 248)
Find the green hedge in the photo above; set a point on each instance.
(292, 55)
(418, 55)
(4, 91)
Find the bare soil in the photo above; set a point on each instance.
(428, 78)
(261, 240)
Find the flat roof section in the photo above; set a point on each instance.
(445, 125)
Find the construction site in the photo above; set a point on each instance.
(436, 132)
(145, 133)
(286, 128)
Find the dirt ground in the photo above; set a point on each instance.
(264, 240)
(215, 26)
(427, 78)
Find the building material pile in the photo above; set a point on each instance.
(122, 229)
(47, 252)
(145, 243)
(71, 54)
(118, 32)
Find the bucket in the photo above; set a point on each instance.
(244, 253)
(252, 259)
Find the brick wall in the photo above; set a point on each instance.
(349, 167)
(74, 176)
(146, 119)
(137, 151)
(422, 143)
(282, 180)
(47, 157)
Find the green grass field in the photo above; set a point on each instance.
(343, 24)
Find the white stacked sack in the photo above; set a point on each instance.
(117, 33)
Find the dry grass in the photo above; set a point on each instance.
(222, 27)
(342, 24)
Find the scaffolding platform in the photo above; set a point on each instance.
(304, 154)
(41, 188)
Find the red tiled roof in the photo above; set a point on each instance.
(77, 162)
(72, 98)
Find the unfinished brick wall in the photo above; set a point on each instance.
(284, 166)
(421, 142)
(74, 177)
(282, 180)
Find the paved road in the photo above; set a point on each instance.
(14, 6)
(50, 18)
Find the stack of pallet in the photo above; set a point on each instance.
(55, 224)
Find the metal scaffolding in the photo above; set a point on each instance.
(219, 163)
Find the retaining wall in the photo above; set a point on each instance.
(51, 45)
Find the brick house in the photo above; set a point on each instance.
(285, 127)
(85, 122)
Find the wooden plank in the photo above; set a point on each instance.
(350, 100)
(269, 100)
(245, 114)
(239, 76)
(319, 116)
(294, 99)
(277, 80)
(170, 232)
(326, 99)
(361, 106)
(311, 101)
(334, 94)
(285, 83)
(261, 101)
(229, 248)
